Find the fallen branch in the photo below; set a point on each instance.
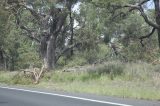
(36, 73)
(155, 62)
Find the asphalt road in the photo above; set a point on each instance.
(10, 96)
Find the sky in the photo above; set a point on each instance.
(150, 4)
(76, 7)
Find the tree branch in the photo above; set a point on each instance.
(36, 15)
(143, 2)
(65, 50)
(147, 36)
(145, 17)
(141, 10)
(60, 23)
(15, 8)
(31, 34)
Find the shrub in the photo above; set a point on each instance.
(63, 77)
(14, 78)
(112, 69)
(138, 71)
(21, 79)
(157, 68)
(76, 61)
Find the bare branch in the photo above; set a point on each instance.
(16, 5)
(36, 15)
(60, 23)
(147, 36)
(31, 34)
(141, 10)
(145, 17)
(143, 2)
(66, 49)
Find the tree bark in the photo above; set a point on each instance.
(158, 31)
(1, 60)
(50, 56)
(71, 29)
(12, 64)
(50, 24)
(157, 15)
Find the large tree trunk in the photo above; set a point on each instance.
(1, 60)
(71, 29)
(157, 14)
(12, 64)
(50, 54)
(158, 31)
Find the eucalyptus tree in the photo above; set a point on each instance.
(124, 7)
(45, 22)
(89, 30)
(142, 7)
(3, 22)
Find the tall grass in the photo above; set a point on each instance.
(14, 78)
(136, 80)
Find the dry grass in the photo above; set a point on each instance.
(135, 80)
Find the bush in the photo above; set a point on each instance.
(88, 76)
(90, 56)
(112, 69)
(157, 68)
(14, 78)
(63, 77)
(138, 71)
(21, 79)
(4, 77)
(76, 61)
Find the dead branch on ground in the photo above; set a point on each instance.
(36, 73)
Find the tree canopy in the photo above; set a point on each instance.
(45, 32)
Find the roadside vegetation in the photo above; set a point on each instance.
(103, 47)
(133, 80)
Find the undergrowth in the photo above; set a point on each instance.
(134, 80)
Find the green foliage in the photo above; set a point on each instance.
(138, 80)
(28, 55)
(4, 77)
(110, 69)
(157, 68)
(20, 79)
(94, 20)
(67, 77)
(20, 52)
(96, 26)
(85, 57)
(14, 78)
(77, 60)
(3, 31)
(102, 52)
(90, 56)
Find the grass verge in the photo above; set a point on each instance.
(130, 80)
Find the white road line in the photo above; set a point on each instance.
(66, 96)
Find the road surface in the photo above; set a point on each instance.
(10, 96)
